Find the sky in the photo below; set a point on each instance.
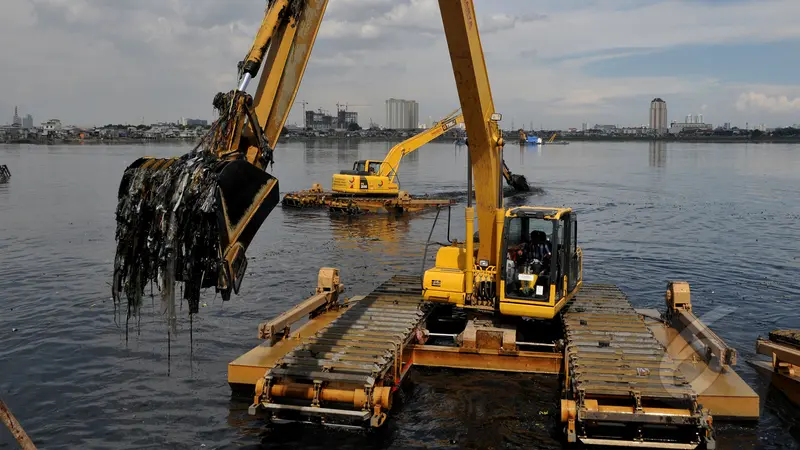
(552, 64)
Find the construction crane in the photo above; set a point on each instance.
(621, 385)
(305, 121)
(344, 106)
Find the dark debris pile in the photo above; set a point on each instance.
(5, 174)
(167, 219)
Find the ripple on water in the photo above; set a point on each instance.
(721, 217)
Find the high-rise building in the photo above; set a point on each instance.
(319, 121)
(186, 122)
(27, 121)
(345, 118)
(658, 116)
(402, 114)
(700, 118)
(17, 120)
(727, 126)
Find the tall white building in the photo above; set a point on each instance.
(658, 116)
(402, 114)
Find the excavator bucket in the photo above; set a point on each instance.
(190, 219)
(519, 182)
(516, 181)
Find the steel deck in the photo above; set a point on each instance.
(619, 375)
(361, 350)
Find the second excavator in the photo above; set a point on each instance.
(372, 185)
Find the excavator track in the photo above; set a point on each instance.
(622, 389)
(345, 373)
(348, 204)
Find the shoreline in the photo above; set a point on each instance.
(188, 142)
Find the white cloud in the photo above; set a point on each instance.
(90, 61)
(757, 101)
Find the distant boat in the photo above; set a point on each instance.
(525, 139)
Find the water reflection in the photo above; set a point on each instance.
(346, 152)
(379, 234)
(658, 154)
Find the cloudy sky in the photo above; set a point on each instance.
(551, 63)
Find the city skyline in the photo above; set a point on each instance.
(557, 64)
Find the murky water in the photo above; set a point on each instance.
(723, 217)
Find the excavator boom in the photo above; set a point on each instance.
(483, 133)
(190, 219)
(391, 163)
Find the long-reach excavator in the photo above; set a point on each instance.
(371, 186)
(631, 378)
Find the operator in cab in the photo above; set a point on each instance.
(530, 257)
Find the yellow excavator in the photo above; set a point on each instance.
(524, 262)
(370, 177)
(190, 219)
(372, 185)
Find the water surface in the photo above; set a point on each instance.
(721, 216)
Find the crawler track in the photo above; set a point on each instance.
(346, 372)
(626, 389)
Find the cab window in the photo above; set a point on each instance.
(374, 167)
(528, 258)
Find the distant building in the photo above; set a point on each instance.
(677, 127)
(606, 128)
(584, 126)
(402, 114)
(319, 120)
(727, 126)
(658, 116)
(192, 122)
(345, 118)
(640, 130)
(27, 122)
(52, 125)
(16, 120)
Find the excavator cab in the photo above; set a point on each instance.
(364, 179)
(541, 265)
(539, 269)
(364, 167)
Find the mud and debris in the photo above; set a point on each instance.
(789, 337)
(5, 174)
(169, 216)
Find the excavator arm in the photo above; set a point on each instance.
(190, 219)
(391, 163)
(485, 139)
